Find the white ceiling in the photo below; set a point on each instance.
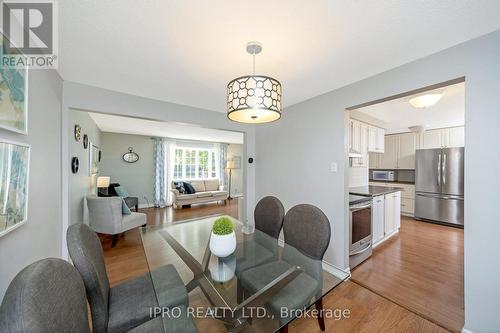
(398, 114)
(127, 125)
(187, 51)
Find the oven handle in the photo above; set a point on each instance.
(366, 248)
(355, 208)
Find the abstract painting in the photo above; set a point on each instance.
(13, 97)
(14, 172)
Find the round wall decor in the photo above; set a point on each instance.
(130, 157)
(85, 141)
(78, 132)
(75, 164)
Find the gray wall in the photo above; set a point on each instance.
(41, 236)
(81, 183)
(83, 97)
(294, 156)
(237, 174)
(138, 177)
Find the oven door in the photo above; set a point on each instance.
(360, 228)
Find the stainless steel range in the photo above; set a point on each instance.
(360, 229)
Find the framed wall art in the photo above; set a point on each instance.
(14, 180)
(13, 97)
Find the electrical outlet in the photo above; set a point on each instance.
(333, 167)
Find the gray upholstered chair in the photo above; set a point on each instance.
(268, 215)
(127, 305)
(46, 296)
(307, 230)
(106, 217)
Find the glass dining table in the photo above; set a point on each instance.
(261, 287)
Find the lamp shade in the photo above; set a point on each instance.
(230, 164)
(103, 181)
(254, 99)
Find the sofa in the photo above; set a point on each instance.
(207, 190)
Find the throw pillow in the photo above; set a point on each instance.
(121, 191)
(125, 209)
(189, 188)
(179, 186)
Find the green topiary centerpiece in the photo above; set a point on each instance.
(223, 238)
(222, 226)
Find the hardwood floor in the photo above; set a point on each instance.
(420, 269)
(369, 312)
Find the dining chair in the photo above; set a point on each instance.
(127, 305)
(307, 236)
(268, 216)
(46, 296)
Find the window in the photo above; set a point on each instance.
(195, 163)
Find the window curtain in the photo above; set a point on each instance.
(169, 163)
(159, 190)
(222, 150)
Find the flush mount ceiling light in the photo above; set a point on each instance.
(424, 101)
(254, 99)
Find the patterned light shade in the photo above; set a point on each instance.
(254, 99)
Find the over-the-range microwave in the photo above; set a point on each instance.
(388, 176)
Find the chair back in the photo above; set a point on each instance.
(46, 296)
(86, 252)
(105, 214)
(307, 228)
(268, 216)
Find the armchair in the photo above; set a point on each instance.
(106, 217)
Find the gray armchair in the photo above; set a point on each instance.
(105, 216)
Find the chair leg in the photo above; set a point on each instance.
(284, 329)
(321, 320)
(136, 208)
(115, 240)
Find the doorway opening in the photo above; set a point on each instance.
(406, 153)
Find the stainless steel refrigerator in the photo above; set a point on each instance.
(439, 185)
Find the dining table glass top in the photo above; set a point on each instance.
(260, 287)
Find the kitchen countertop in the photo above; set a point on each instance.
(373, 191)
(396, 182)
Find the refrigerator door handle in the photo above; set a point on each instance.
(439, 170)
(444, 169)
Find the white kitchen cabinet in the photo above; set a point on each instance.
(442, 138)
(432, 139)
(374, 160)
(378, 218)
(375, 139)
(388, 158)
(406, 147)
(407, 206)
(455, 137)
(392, 212)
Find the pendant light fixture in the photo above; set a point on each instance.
(254, 99)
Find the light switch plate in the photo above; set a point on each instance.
(333, 167)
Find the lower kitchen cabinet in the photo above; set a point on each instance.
(386, 216)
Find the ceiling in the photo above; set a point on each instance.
(187, 51)
(398, 114)
(127, 125)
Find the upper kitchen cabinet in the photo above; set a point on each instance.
(388, 160)
(406, 152)
(364, 138)
(399, 152)
(442, 138)
(376, 139)
(432, 139)
(455, 137)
